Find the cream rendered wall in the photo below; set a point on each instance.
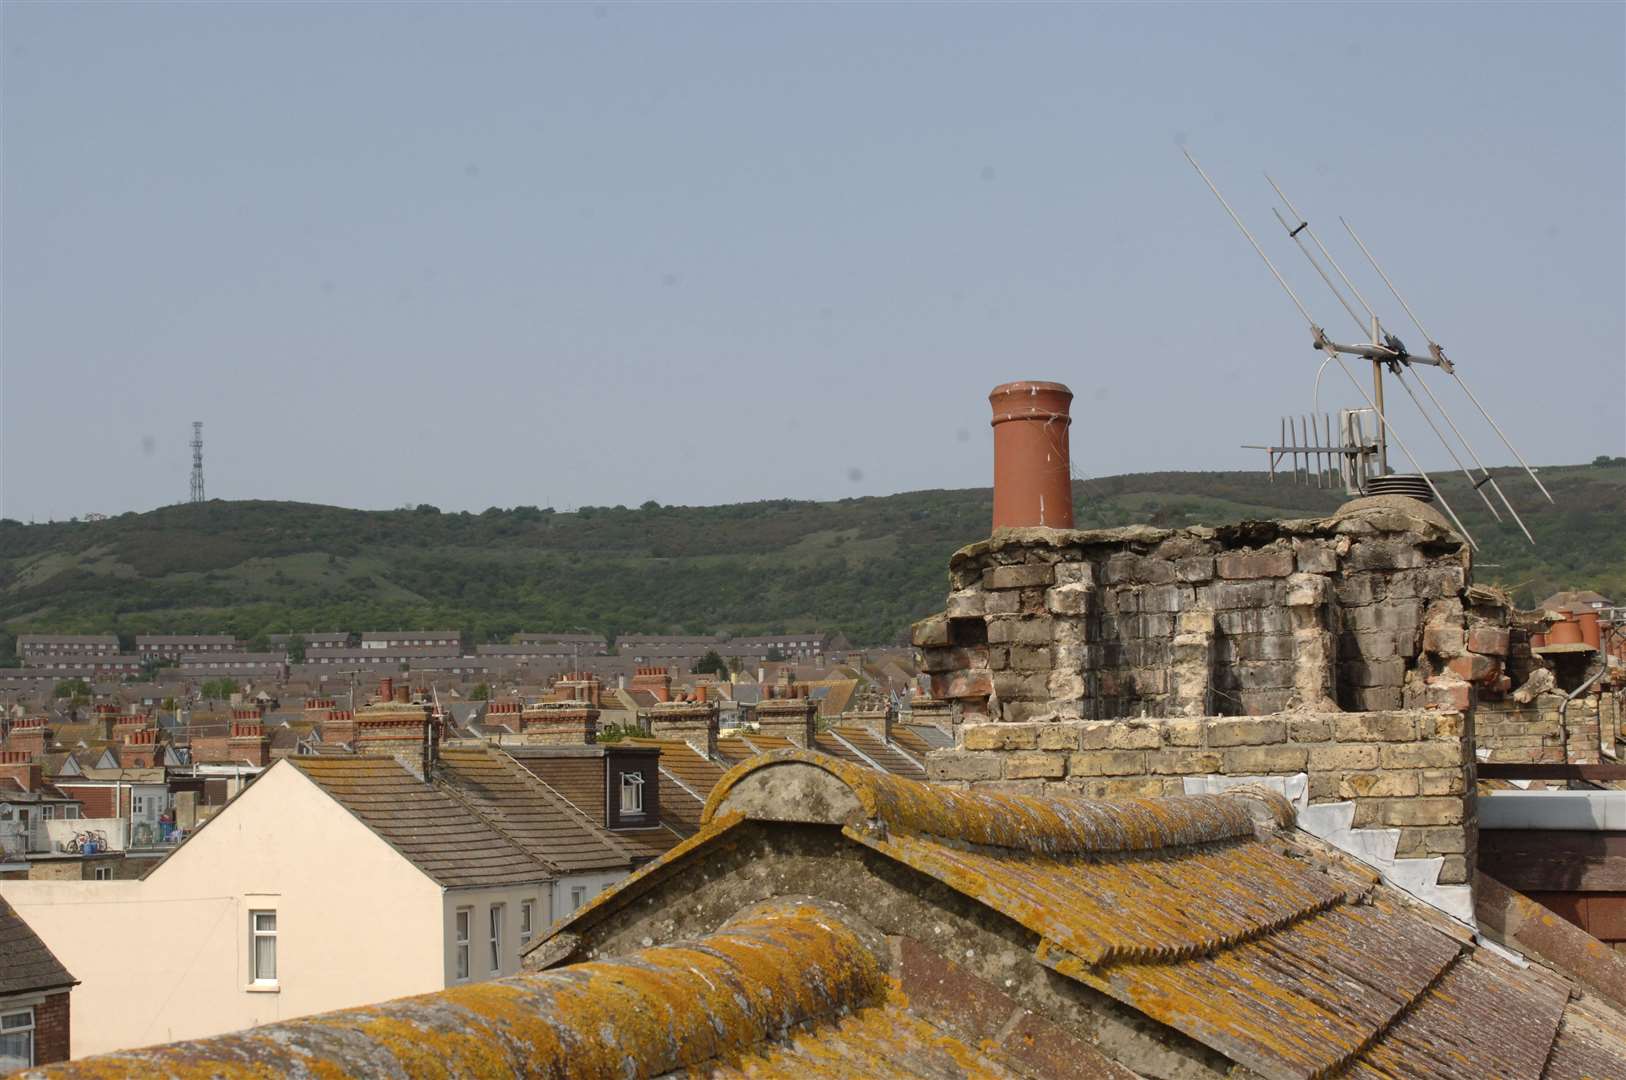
(167, 957)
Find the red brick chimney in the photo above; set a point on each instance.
(559, 723)
(1032, 478)
(792, 717)
(21, 767)
(248, 740)
(692, 722)
(505, 713)
(141, 749)
(339, 726)
(30, 735)
(657, 680)
(398, 729)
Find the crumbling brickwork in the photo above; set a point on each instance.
(1244, 620)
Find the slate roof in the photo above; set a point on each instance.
(25, 963)
(532, 814)
(1296, 962)
(431, 829)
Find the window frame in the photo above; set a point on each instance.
(102, 873)
(497, 915)
(462, 930)
(578, 897)
(527, 921)
(632, 782)
(28, 1031)
(256, 934)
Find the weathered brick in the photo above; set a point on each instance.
(943, 659)
(1242, 565)
(1135, 735)
(1444, 640)
(1334, 758)
(1194, 568)
(1107, 763)
(962, 684)
(1474, 667)
(1000, 737)
(1035, 766)
(1183, 732)
(1309, 730)
(1418, 811)
(1453, 870)
(1018, 577)
(1002, 602)
(1093, 734)
(1075, 573)
(965, 603)
(1228, 595)
(1375, 727)
(930, 631)
(1491, 640)
(1265, 759)
(962, 765)
(1031, 658)
(1441, 781)
(1058, 737)
(1020, 630)
(1074, 599)
(1315, 557)
(1422, 755)
(1365, 785)
(1383, 555)
(1018, 712)
(1022, 686)
(1184, 762)
(1373, 672)
(1245, 732)
(1446, 841)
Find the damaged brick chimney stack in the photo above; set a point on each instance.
(1032, 479)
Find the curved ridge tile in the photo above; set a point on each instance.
(1050, 826)
(652, 1012)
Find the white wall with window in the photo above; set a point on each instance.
(575, 890)
(462, 928)
(262, 951)
(486, 929)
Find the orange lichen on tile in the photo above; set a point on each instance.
(654, 1011)
(1046, 826)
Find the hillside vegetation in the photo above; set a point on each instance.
(867, 567)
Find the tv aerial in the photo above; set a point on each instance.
(1360, 456)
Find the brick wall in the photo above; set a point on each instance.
(1404, 770)
(51, 1029)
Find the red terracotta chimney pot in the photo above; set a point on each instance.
(1032, 478)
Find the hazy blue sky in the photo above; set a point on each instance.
(503, 254)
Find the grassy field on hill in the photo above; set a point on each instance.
(864, 566)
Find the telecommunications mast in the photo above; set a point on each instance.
(197, 461)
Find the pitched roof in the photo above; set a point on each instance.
(435, 832)
(25, 962)
(529, 812)
(1295, 962)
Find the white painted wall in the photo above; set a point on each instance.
(167, 958)
(479, 902)
(593, 884)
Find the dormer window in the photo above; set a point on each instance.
(632, 794)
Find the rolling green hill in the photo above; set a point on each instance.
(864, 566)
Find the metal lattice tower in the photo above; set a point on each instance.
(197, 461)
